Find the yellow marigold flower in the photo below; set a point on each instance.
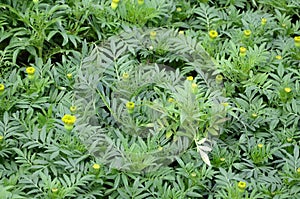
(30, 70)
(278, 57)
(171, 100)
(2, 87)
(287, 89)
(219, 79)
(263, 21)
(243, 51)
(1, 138)
(114, 5)
(178, 9)
(247, 33)
(54, 190)
(96, 166)
(298, 170)
(242, 185)
(125, 75)
(213, 34)
(260, 145)
(69, 75)
(140, 2)
(181, 32)
(222, 159)
(152, 35)
(69, 119)
(190, 78)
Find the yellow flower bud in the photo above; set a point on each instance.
(287, 89)
(130, 107)
(243, 51)
(69, 75)
(181, 32)
(114, 5)
(263, 21)
(247, 33)
(278, 57)
(219, 79)
(297, 41)
(213, 34)
(152, 35)
(96, 166)
(242, 185)
(190, 78)
(2, 88)
(178, 9)
(54, 190)
(260, 145)
(140, 2)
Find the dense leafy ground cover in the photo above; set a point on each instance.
(149, 99)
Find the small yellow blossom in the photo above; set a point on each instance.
(178, 9)
(289, 139)
(2, 87)
(181, 32)
(194, 174)
(243, 51)
(35, 1)
(190, 78)
(69, 121)
(260, 145)
(125, 75)
(1, 138)
(171, 100)
(219, 79)
(116, 1)
(69, 75)
(297, 41)
(298, 170)
(213, 34)
(140, 2)
(278, 57)
(225, 104)
(130, 106)
(263, 21)
(242, 185)
(153, 35)
(96, 166)
(247, 33)
(160, 148)
(54, 190)
(287, 89)
(222, 159)
(254, 115)
(73, 109)
(30, 70)
(114, 5)
(169, 134)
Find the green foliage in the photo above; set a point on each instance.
(231, 131)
